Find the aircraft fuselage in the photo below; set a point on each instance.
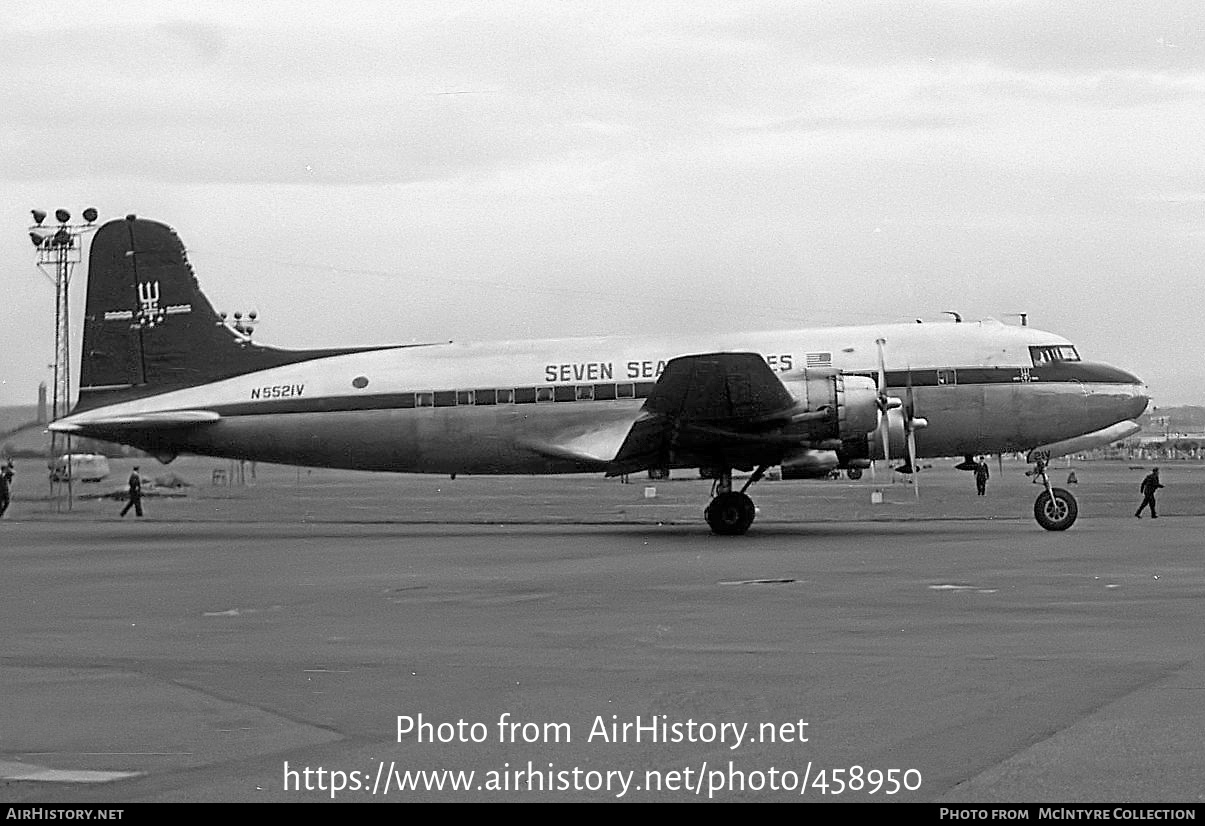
(565, 405)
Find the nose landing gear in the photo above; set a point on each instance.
(1055, 508)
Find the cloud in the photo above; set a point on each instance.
(1073, 36)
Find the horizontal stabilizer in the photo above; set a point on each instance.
(142, 421)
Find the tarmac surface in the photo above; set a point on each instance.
(240, 633)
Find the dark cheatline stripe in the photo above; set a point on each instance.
(1063, 372)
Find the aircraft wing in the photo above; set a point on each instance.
(715, 408)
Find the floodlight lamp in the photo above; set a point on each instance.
(62, 238)
(39, 215)
(238, 316)
(253, 315)
(90, 214)
(62, 215)
(37, 239)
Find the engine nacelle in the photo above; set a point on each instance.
(810, 464)
(839, 408)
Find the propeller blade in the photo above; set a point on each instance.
(879, 342)
(911, 425)
(912, 461)
(884, 434)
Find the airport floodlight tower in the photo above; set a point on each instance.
(59, 249)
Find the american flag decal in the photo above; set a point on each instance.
(819, 360)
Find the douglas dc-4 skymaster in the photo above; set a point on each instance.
(163, 372)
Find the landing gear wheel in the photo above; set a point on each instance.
(730, 514)
(854, 473)
(1055, 513)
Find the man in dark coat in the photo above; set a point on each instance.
(1149, 485)
(135, 500)
(6, 487)
(981, 475)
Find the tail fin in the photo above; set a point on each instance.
(149, 329)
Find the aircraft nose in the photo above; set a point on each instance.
(1113, 394)
(1135, 395)
(1142, 397)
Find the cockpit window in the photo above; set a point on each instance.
(1051, 353)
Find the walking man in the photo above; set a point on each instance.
(6, 487)
(135, 498)
(981, 475)
(1150, 484)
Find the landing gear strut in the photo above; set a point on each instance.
(1055, 508)
(730, 512)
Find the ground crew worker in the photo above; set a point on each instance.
(135, 499)
(981, 475)
(1150, 484)
(6, 487)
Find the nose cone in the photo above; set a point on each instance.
(1111, 394)
(1142, 397)
(1134, 396)
(1128, 398)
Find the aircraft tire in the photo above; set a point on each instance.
(730, 514)
(1057, 514)
(854, 473)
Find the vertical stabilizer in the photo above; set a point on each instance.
(148, 328)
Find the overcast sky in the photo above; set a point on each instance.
(367, 173)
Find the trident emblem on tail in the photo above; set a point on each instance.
(149, 312)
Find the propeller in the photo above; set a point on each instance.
(884, 435)
(912, 423)
(885, 403)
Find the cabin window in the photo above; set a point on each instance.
(565, 393)
(485, 396)
(525, 395)
(1048, 353)
(405, 400)
(424, 399)
(643, 388)
(625, 391)
(464, 396)
(544, 394)
(947, 377)
(445, 398)
(585, 392)
(604, 392)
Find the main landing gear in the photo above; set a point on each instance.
(730, 512)
(1055, 508)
